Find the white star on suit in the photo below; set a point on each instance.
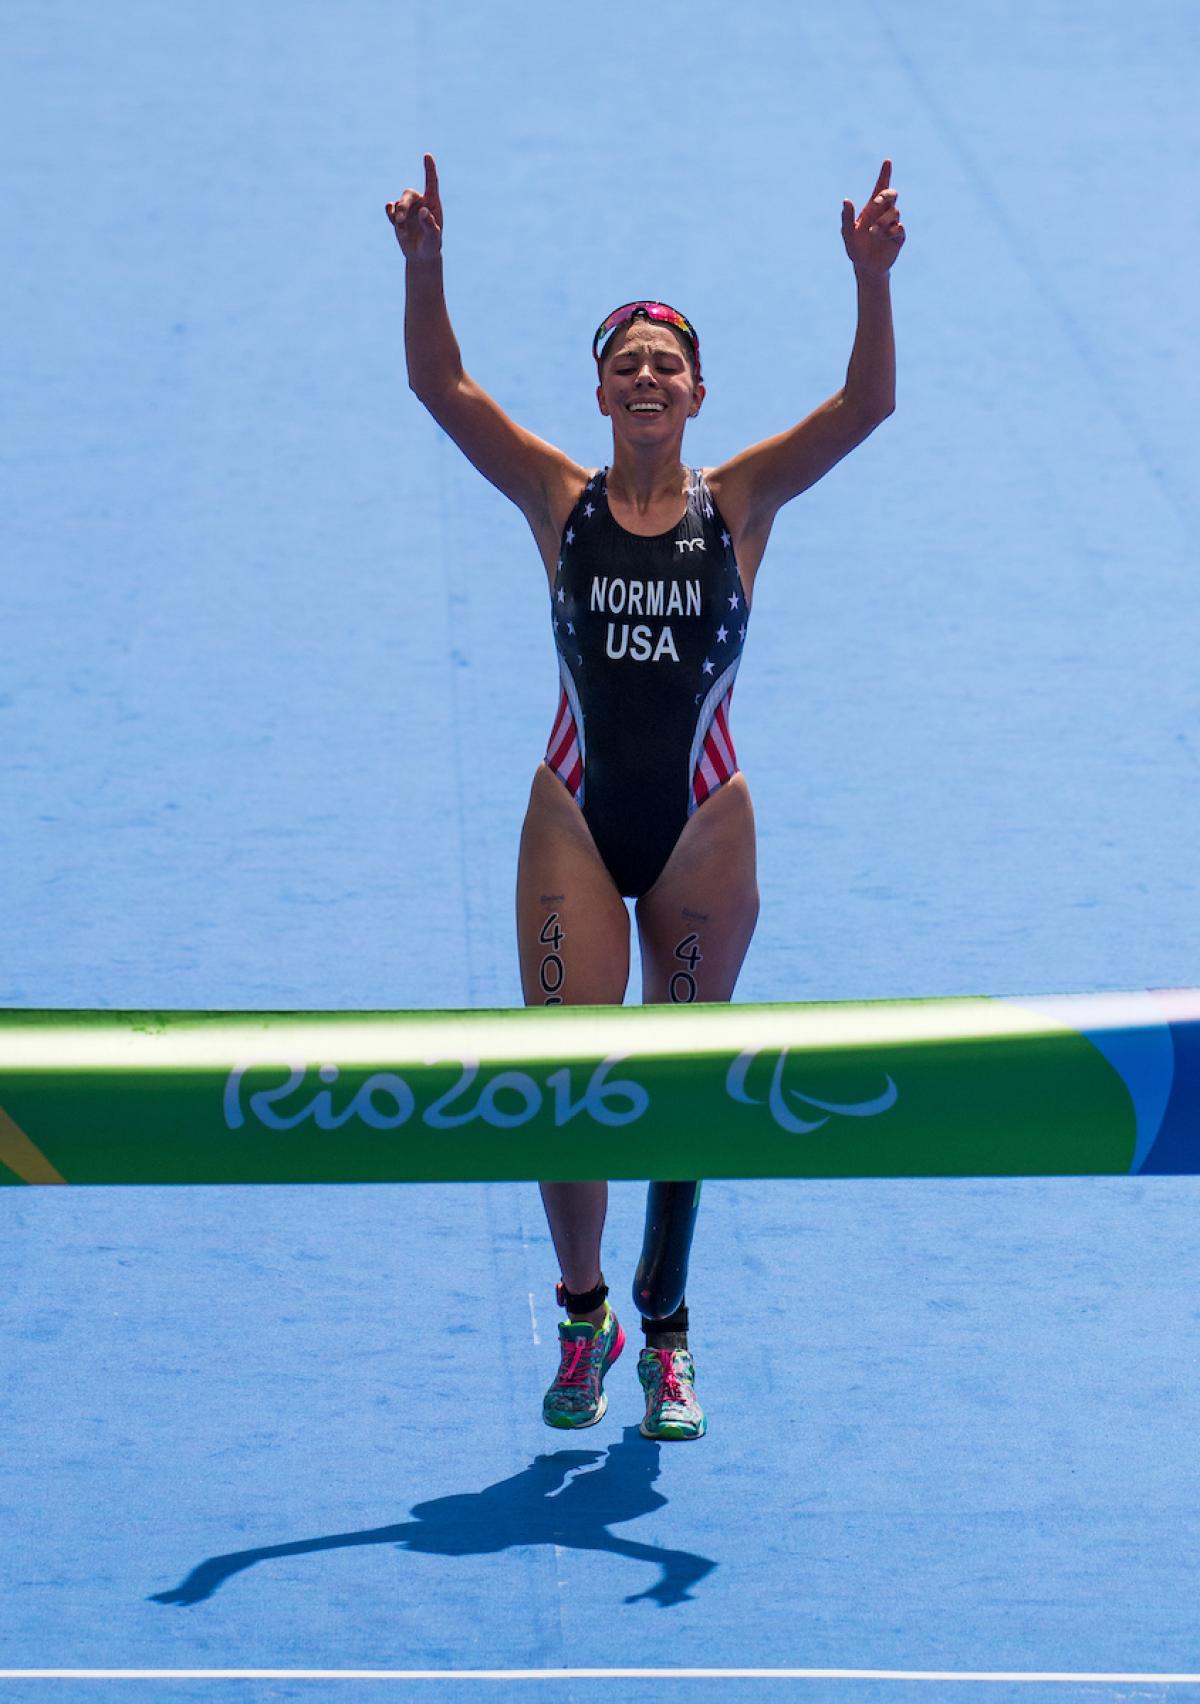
(588, 510)
(733, 600)
(742, 633)
(725, 540)
(562, 596)
(708, 668)
(722, 635)
(570, 535)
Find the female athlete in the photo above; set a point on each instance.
(651, 567)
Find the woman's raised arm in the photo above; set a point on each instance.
(538, 478)
(752, 487)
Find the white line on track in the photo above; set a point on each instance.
(658, 1673)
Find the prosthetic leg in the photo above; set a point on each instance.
(666, 1371)
(661, 1278)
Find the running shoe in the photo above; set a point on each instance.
(668, 1378)
(577, 1398)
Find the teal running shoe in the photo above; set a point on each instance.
(577, 1397)
(668, 1378)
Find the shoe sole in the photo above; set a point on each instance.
(674, 1434)
(565, 1425)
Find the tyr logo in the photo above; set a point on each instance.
(689, 544)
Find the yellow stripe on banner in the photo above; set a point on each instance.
(20, 1156)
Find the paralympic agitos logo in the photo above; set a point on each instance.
(777, 1097)
(508, 1099)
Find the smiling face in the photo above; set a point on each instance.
(647, 385)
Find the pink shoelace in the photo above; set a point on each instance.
(672, 1390)
(576, 1370)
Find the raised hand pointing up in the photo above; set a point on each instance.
(875, 237)
(417, 219)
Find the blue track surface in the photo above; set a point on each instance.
(275, 676)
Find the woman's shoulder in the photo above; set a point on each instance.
(707, 487)
(572, 493)
(589, 479)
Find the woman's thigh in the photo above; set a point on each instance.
(695, 923)
(572, 925)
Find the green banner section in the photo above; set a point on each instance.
(908, 1088)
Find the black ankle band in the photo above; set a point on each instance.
(583, 1301)
(668, 1333)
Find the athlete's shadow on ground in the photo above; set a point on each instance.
(549, 1502)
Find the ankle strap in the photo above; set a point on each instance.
(583, 1301)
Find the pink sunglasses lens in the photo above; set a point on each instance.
(653, 310)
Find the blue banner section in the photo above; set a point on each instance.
(1176, 1148)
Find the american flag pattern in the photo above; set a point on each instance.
(649, 632)
(565, 752)
(712, 759)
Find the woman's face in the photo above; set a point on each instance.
(647, 388)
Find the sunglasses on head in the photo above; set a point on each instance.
(645, 310)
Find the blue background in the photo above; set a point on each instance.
(275, 675)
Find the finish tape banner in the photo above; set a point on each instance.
(1048, 1085)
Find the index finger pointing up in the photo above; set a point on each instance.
(431, 179)
(884, 178)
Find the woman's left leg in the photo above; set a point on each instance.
(695, 923)
(695, 926)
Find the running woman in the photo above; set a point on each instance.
(651, 568)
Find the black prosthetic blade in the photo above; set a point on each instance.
(661, 1278)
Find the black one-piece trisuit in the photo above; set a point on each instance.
(649, 634)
